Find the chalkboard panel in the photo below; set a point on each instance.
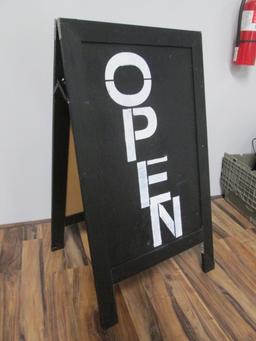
(135, 98)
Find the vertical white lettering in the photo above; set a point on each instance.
(131, 101)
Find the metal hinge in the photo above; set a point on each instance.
(60, 85)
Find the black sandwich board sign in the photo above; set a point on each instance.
(135, 99)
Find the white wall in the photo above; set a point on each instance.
(26, 55)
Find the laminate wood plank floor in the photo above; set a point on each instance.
(48, 295)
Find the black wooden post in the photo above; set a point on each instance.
(103, 283)
(203, 162)
(207, 252)
(61, 126)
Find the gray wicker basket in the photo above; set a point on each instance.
(239, 181)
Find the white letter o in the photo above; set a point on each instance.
(125, 59)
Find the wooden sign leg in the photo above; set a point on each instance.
(105, 295)
(207, 252)
(61, 127)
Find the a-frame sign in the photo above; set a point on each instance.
(134, 99)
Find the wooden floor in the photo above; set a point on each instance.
(51, 296)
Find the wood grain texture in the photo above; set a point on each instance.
(10, 250)
(32, 298)
(141, 309)
(9, 306)
(48, 295)
(196, 320)
(74, 198)
(74, 251)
